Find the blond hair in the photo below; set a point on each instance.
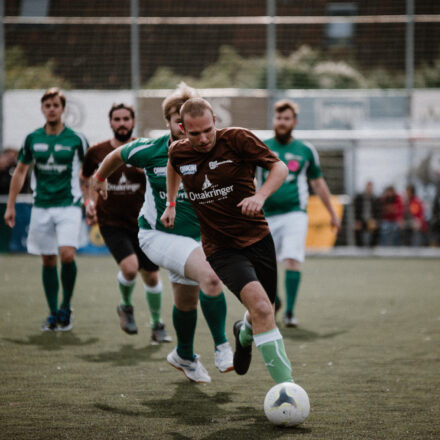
(173, 103)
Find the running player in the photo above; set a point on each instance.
(286, 209)
(57, 152)
(217, 168)
(179, 250)
(117, 219)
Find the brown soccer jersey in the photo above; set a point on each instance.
(126, 189)
(218, 180)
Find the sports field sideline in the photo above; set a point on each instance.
(367, 351)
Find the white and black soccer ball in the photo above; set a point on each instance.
(286, 404)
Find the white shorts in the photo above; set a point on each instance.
(51, 228)
(169, 251)
(289, 233)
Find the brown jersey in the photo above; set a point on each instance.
(125, 193)
(217, 181)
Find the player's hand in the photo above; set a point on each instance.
(91, 218)
(250, 206)
(168, 217)
(100, 187)
(10, 217)
(335, 224)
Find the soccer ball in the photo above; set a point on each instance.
(286, 404)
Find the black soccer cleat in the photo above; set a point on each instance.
(242, 355)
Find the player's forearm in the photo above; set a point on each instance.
(17, 183)
(277, 175)
(173, 182)
(110, 164)
(321, 189)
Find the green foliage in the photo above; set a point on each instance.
(20, 75)
(305, 68)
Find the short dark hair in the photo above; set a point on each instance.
(52, 93)
(195, 107)
(119, 107)
(285, 104)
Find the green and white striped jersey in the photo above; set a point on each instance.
(302, 160)
(152, 156)
(57, 160)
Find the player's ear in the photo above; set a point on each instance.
(182, 127)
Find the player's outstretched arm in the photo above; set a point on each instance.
(108, 166)
(15, 186)
(320, 187)
(277, 174)
(173, 182)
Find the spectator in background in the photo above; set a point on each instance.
(367, 217)
(8, 163)
(391, 206)
(434, 225)
(415, 227)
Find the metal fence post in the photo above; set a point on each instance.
(2, 69)
(271, 69)
(134, 55)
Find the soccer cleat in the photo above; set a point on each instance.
(193, 370)
(159, 334)
(128, 324)
(65, 319)
(242, 355)
(50, 324)
(223, 357)
(290, 320)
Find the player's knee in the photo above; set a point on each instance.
(211, 285)
(261, 310)
(67, 255)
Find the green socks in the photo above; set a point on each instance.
(126, 288)
(292, 281)
(51, 285)
(68, 277)
(214, 311)
(153, 295)
(271, 346)
(185, 326)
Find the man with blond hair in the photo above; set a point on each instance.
(178, 250)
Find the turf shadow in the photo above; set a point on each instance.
(190, 406)
(127, 355)
(302, 334)
(53, 341)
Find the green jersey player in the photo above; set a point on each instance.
(178, 250)
(57, 152)
(285, 210)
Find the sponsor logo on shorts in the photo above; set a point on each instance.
(188, 169)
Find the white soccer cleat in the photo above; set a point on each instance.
(290, 320)
(193, 370)
(224, 357)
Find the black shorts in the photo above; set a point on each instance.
(238, 267)
(124, 242)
